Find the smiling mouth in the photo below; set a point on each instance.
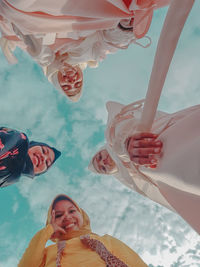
(37, 160)
(66, 227)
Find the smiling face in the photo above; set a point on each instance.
(70, 79)
(42, 158)
(103, 163)
(67, 216)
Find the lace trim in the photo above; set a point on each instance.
(123, 115)
(60, 247)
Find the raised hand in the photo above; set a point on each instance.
(144, 149)
(58, 231)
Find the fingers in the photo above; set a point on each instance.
(144, 135)
(61, 230)
(53, 218)
(143, 140)
(144, 152)
(144, 149)
(58, 233)
(145, 143)
(150, 162)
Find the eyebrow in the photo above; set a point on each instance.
(72, 206)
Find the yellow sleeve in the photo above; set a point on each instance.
(124, 253)
(34, 256)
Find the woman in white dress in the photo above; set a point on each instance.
(163, 166)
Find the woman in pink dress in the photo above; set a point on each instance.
(70, 30)
(67, 17)
(168, 175)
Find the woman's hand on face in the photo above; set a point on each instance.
(58, 231)
(144, 149)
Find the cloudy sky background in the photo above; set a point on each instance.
(30, 104)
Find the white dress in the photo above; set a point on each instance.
(87, 34)
(176, 180)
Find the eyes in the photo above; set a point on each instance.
(78, 85)
(102, 168)
(99, 157)
(72, 211)
(60, 214)
(45, 151)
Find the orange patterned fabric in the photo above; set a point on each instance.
(99, 248)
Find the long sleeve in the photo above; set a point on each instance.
(124, 253)
(122, 123)
(13, 151)
(9, 178)
(34, 256)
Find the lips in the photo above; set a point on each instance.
(107, 160)
(36, 160)
(69, 225)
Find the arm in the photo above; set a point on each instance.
(13, 150)
(42, 54)
(10, 178)
(10, 140)
(127, 143)
(34, 256)
(173, 25)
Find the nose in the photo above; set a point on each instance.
(42, 158)
(105, 161)
(67, 217)
(71, 79)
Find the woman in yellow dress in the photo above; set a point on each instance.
(69, 226)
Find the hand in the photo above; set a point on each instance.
(144, 149)
(58, 231)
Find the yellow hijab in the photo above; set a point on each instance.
(85, 229)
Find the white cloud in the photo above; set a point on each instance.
(15, 207)
(29, 103)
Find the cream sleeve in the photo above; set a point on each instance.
(34, 256)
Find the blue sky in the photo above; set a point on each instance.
(29, 103)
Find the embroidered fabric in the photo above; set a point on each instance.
(99, 248)
(60, 247)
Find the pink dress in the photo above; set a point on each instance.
(87, 35)
(58, 19)
(175, 183)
